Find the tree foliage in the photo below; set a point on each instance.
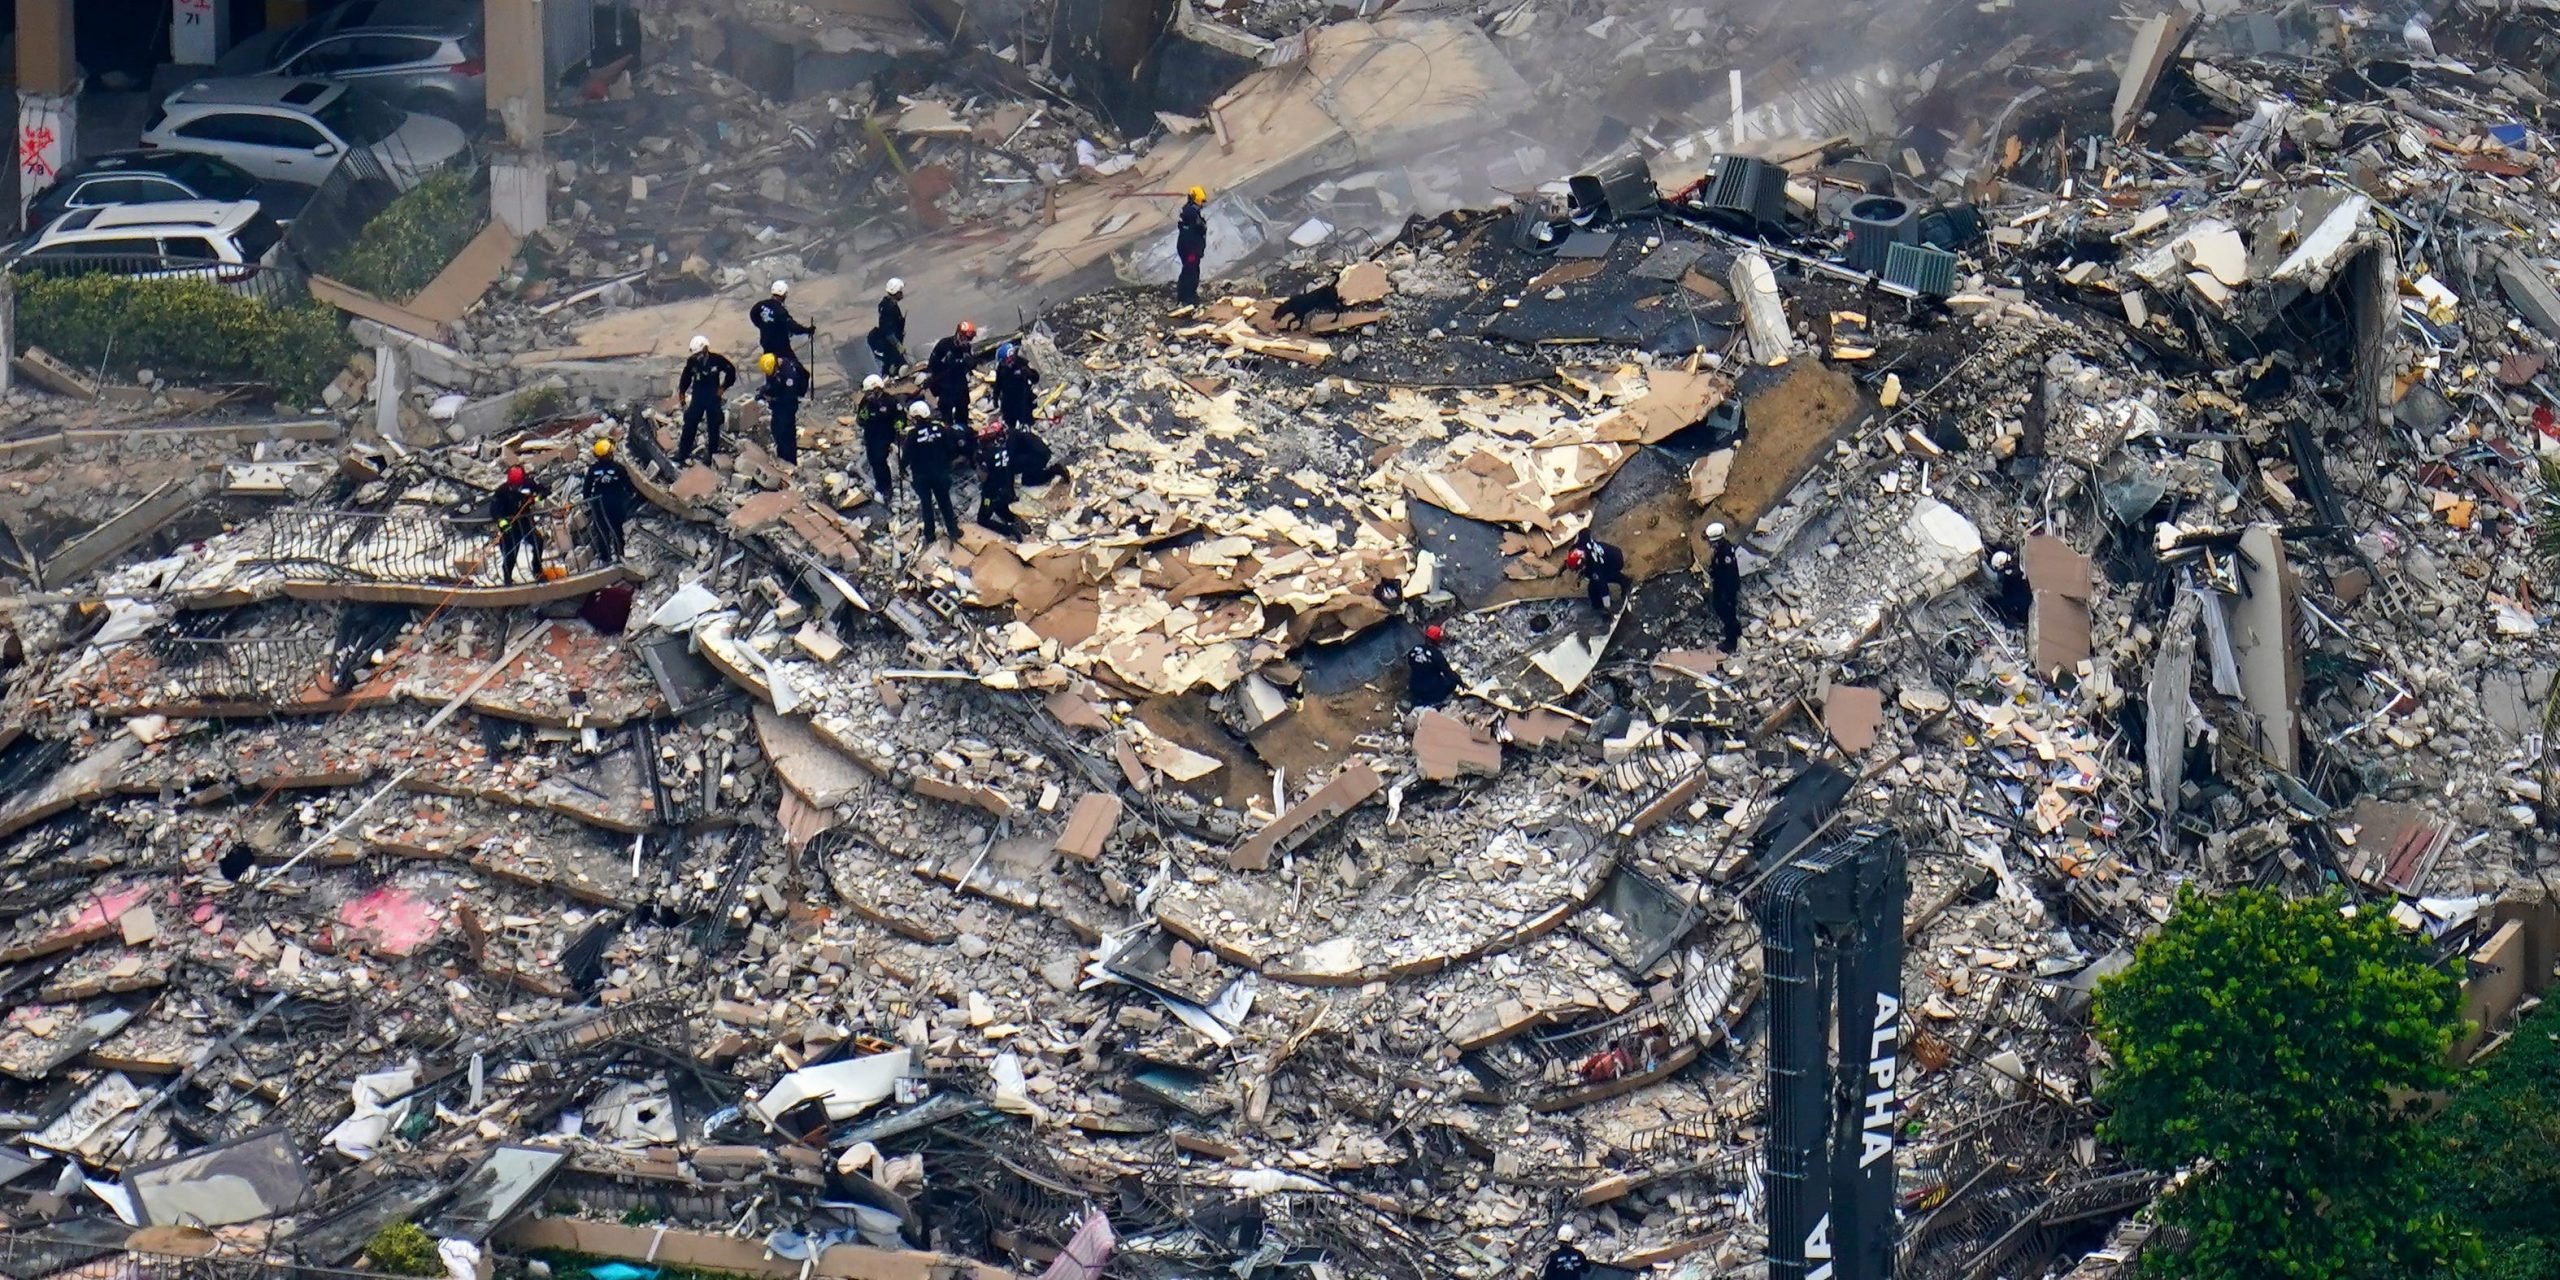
(2495, 1152)
(186, 330)
(2270, 1045)
(412, 239)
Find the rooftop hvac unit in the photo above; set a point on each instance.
(1746, 194)
(1927, 271)
(1622, 188)
(1876, 224)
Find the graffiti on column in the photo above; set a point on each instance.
(42, 140)
(194, 13)
(38, 153)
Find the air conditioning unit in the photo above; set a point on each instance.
(1746, 194)
(1929, 272)
(1876, 225)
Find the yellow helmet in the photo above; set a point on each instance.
(604, 448)
(768, 362)
(1199, 195)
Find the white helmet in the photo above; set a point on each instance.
(781, 287)
(699, 344)
(871, 382)
(1716, 531)
(1564, 1234)
(920, 409)
(1999, 559)
(896, 286)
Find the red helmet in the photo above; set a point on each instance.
(1573, 558)
(515, 475)
(968, 329)
(1434, 634)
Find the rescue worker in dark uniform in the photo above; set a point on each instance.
(1190, 241)
(707, 377)
(775, 327)
(1602, 566)
(946, 373)
(1017, 385)
(995, 484)
(889, 337)
(931, 445)
(610, 499)
(2011, 596)
(1033, 464)
(1431, 679)
(1567, 1262)
(1724, 585)
(786, 384)
(514, 506)
(877, 414)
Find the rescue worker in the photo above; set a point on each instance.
(1431, 680)
(610, 499)
(1033, 464)
(775, 327)
(2012, 598)
(1190, 241)
(946, 373)
(931, 444)
(995, 483)
(1724, 583)
(1602, 566)
(786, 384)
(889, 337)
(877, 414)
(707, 377)
(1017, 385)
(514, 506)
(1567, 1262)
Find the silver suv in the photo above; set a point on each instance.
(425, 55)
(286, 130)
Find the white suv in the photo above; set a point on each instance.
(290, 130)
(227, 243)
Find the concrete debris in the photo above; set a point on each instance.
(1098, 885)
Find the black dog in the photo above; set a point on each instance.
(1293, 313)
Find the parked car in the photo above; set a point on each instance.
(296, 130)
(425, 55)
(159, 177)
(228, 242)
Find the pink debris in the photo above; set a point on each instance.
(391, 920)
(104, 910)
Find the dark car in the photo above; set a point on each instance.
(158, 177)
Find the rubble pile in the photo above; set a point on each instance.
(2163, 506)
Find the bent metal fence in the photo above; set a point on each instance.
(358, 189)
(30, 1255)
(280, 285)
(405, 547)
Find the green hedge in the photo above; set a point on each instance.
(412, 239)
(184, 330)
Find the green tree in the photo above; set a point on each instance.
(2496, 1152)
(2270, 1046)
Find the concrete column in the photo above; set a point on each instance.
(519, 174)
(48, 115)
(199, 30)
(386, 391)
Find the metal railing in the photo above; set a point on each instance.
(356, 192)
(30, 1255)
(280, 285)
(362, 546)
(268, 669)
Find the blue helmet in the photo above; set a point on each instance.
(1004, 351)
